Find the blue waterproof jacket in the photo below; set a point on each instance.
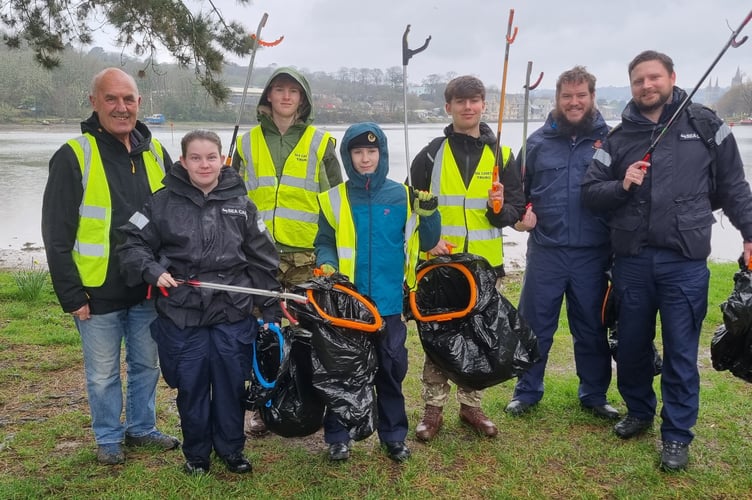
(555, 168)
(379, 211)
(671, 209)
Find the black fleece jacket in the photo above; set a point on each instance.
(129, 189)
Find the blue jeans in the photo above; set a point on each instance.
(102, 336)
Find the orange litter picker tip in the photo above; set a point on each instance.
(445, 316)
(257, 42)
(352, 324)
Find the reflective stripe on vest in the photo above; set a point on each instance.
(91, 250)
(463, 210)
(288, 205)
(336, 209)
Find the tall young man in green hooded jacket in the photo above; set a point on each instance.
(286, 162)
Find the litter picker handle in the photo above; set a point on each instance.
(496, 203)
(256, 42)
(732, 42)
(407, 53)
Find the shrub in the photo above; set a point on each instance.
(31, 281)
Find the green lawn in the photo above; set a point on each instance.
(557, 451)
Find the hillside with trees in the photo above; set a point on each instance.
(31, 93)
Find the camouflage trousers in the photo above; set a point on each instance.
(436, 386)
(295, 268)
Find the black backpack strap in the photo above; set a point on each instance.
(703, 120)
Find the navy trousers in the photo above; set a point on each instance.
(552, 273)
(209, 366)
(392, 417)
(661, 281)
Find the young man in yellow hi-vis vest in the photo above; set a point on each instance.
(458, 168)
(96, 182)
(364, 227)
(286, 162)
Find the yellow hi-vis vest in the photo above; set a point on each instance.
(91, 250)
(288, 206)
(463, 210)
(336, 209)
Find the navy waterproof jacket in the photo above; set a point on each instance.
(217, 238)
(379, 211)
(555, 168)
(671, 209)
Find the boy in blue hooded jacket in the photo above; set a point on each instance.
(365, 225)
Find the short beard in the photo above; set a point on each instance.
(654, 107)
(569, 129)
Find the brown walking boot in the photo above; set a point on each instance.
(254, 424)
(475, 418)
(430, 424)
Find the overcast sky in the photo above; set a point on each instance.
(468, 36)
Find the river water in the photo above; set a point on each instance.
(25, 153)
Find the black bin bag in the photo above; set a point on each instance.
(731, 347)
(467, 328)
(280, 387)
(343, 325)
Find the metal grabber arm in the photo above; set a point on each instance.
(407, 53)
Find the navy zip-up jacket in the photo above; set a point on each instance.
(671, 209)
(555, 168)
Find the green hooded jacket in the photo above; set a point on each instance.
(281, 145)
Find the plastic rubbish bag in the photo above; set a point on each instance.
(731, 347)
(281, 388)
(343, 356)
(467, 328)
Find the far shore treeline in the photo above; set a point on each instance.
(31, 94)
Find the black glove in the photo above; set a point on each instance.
(424, 203)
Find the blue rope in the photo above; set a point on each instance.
(265, 383)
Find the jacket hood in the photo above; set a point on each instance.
(369, 181)
(264, 107)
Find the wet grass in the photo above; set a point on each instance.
(557, 451)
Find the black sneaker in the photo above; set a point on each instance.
(196, 468)
(397, 450)
(603, 411)
(517, 407)
(339, 452)
(674, 456)
(237, 463)
(630, 426)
